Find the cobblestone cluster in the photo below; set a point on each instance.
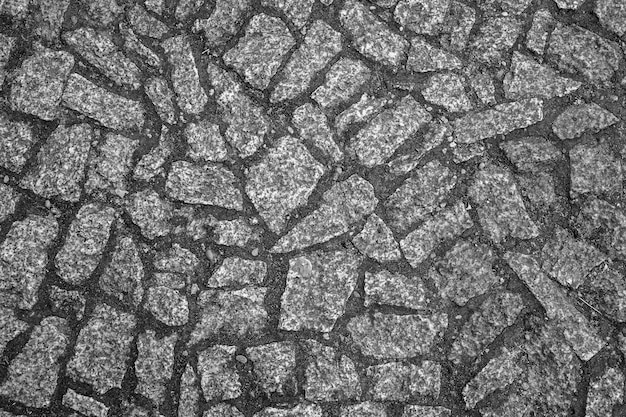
(312, 208)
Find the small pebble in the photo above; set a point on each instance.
(255, 252)
(241, 359)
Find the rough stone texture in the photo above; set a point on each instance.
(282, 181)
(422, 16)
(398, 381)
(578, 50)
(500, 205)
(300, 410)
(205, 142)
(10, 326)
(88, 236)
(423, 57)
(33, 374)
(376, 241)
(329, 376)
(465, 272)
(123, 276)
(316, 132)
(84, 405)
(160, 94)
(392, 336)
(99, 50)
(579, 118)
(612, 15)
(274, 367)
(16, 139)
(575, 327)
(484, 325)
(419, 195)
(605, 392)
(426, 411)
(531, 153)
(320, 45)
(154, 364)
(102, 348)
(495, 38)
(527, 79)
(387, 288)
(371, 37)
(240, 313)
(238, 272)
(344, 204)
(111, 110)
(167, 305)
(594, 169)
(259, 53)
(376, 142)
(150, 212)
(297, 11)
(38, 85)
(318, 286)
(190, 95)
(23, 259)
(211, 185)
(223, 23)
(218, 378)
(61, 163)
(502, 119)
(109, 169)
(344, 78)
(537, 36)
(447, 90)
(447, 224)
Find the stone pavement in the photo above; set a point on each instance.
(312, 208)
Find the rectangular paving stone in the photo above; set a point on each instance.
(111, 110)
(500, 120)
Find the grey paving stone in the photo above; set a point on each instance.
(377, 241)
(150, 212)
(362, 111)
(67, 303)
(260, 52)
(224, 22)
(38, 85)
(424, 57)
(236, 272)
(377, 141)
(205, 142)
(605, 392)
(185, 79)
(317, 289)
(84, 404)
(344, 204)
(111, 110)
(154, 364)
(321, 44)
(612, 15)
(188, 405)
(167, 305)
(236, 232)
(151, 163)
(422, 16)
(316, 131)
(494, 315)
(426, 411)
(576, 328)
(500, 206)
(61, 163)
(123, 276)
(531, 153)
(145, 24)
(83, 248)
(465, 272)
(364, 409)
(447, 90)
(7, 44)
(329, 376)
(274, 367)
(458, 25)
(160, 94)
(247, 121)
(9, 199)
(219, 379)
(595, 169)
(33, 375)
(209, 184)
(372, 37)
(222, 410)
(299, 410)
(298, 11)
(447, 224)
(10, 326)
(578, 50)
(16, 139)
(602, 289)
(579, 118)
(344, 78)
(419, 195)
(239, 313)
(387, 288)
(394, 336)
(527, 79)
(282, 181)
(495, 38)
(102, 349)
(501, 119)
(537, 36)
(399, 381)
(98, 49)
(108, 170)
(569, 4)
(23, 260)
